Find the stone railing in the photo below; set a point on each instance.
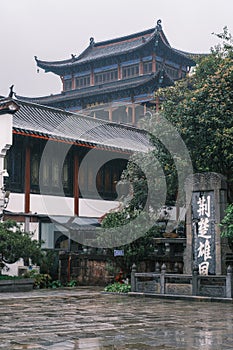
(179, 284)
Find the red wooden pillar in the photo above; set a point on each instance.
(92, 80)
(27, 182)
(141, 70)
(76, 187)
(73, 83)
(133, 113)
(153, 63)
(63, 83)
(119, 72)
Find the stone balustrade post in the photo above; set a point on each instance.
(133, 278)
(176, 268)
(195, 280)
(162, 279)
(229, 283)
(157, 267)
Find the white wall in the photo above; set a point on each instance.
(94, 207)
(55, 205)
(6, 133)
(16, 203)
(51, 205)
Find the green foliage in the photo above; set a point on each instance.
(72, 283)
(55, 284)
(227, 223)
(201, 109)
(118, 288)
(16, 244)
(6, 277)
(49, 263)
(41, 280)
(139, 248)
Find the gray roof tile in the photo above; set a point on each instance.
(33, 119)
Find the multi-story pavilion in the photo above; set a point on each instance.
(116, 79)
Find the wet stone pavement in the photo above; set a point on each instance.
(84, 318)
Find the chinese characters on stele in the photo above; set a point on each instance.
(204, 234)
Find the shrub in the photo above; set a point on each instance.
(41, 280)
(55, 284)
(118, 288)
(72, 283)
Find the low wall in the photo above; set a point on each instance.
(93, 269)
(85, 269)
(16, 285)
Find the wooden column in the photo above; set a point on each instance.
(133, 114)
(153, 63)
(119, 72)
(63, 84)
(27, 182)
(144, 109)
(92, 80)
(73, 83)
(75, 185)
(141, 71)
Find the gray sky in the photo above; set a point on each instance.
(55, 29)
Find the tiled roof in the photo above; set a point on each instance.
(106, 88)
(40, 121)
(112, 47)
(103, 49)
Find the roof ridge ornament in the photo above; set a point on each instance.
(92, 42)
(158, 27)
(11, 93)
(73, 57)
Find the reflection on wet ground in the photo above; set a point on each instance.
(86, 319)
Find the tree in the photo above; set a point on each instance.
(201, 108)
(135, 251)
(227, 223)
(16, 244)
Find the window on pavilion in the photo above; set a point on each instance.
(14, 163)
(68, 84)
(147, 67)
(104, 77)
(130, 71)
(83, 81)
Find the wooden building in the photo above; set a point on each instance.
(115, 80)
(62, 165)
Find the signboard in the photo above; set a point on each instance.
(204, 231)
(118, 252)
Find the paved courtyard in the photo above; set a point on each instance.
(87, 319)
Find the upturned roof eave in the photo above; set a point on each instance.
(57, 66)
(76, 93)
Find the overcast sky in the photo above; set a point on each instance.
(55, 29)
